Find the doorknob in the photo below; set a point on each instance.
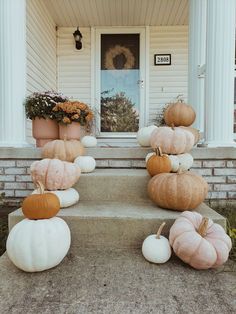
(141, 83)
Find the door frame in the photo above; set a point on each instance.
(96, 75)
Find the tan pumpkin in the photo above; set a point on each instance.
(172, 140)
(63, 150)
(55, 174)
(178, 191)
(196, 133)
(158, 163)
(198, 241)
(42, 205)
(179, 114)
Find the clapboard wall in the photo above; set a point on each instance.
(41, 51)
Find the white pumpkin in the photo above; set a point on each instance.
(67, 197)
(89, 141)
(144, 134)
(185, 161)
(86, 163)
(174, 163)
(156, 248)
(37, 245)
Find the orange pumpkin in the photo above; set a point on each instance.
(198, 241)
(158, 163)
(41, 206)
(63, 150)
(178, 191)
(179, 114)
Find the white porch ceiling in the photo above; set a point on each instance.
(68, 13)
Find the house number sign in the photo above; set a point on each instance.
(162, 59)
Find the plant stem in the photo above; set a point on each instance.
(160, 230)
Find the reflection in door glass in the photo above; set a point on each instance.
(120, 75)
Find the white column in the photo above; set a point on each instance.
(12, 72)
(197, 58)
(219, 88)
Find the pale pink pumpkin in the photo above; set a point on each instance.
(55, 174)
(199, 242)
(172, 140)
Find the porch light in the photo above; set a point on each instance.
(78, 37)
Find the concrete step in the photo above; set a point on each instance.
(99, 224)
(116, 281)
(114, 185)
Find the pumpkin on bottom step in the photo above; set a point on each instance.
(67, 197)
(199, 242)
(156, 248)
(178, 191)
(37, 245)
(44, 205)
(85, 163)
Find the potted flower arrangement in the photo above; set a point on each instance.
(74, 118)
(38, 108)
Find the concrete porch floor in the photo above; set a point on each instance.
(117, 281)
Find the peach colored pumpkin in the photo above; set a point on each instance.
(55, 174)
(63, 150)
(196, 133)
(179, 114)
(198, 241)
(178, 191)
(158, 163)
(172, 140)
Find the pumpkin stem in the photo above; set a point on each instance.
(40, 186)
(158, 151)
(160, 230)
(181, 171)
(203, 227)
(172, 126)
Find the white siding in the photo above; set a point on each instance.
(166, 82)
(41, 51)
(74, 66)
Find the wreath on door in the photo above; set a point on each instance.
(116, 51)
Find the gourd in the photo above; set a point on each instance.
(178, 191)
(66, 198)
(198, 241)
(179, 114)
(86, 163)
(37, 245)
(41, 206)
(156, 248)
(89, 141)
(144, 134)
(185, 161)
(55, 174)
(63, 150)
(172, 140)
(158, 163)
(196, 133)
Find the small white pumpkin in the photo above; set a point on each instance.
(67, 197)
(156, 248)
(144, 134)
(89, 141)
(174, 163)
(85, 163)
(185, 161)
(37, 245)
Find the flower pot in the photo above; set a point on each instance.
(44, 131)
(72, 131)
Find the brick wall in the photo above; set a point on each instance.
(15, 179)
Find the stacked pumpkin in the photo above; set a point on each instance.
(32, 244)
(172, 186)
